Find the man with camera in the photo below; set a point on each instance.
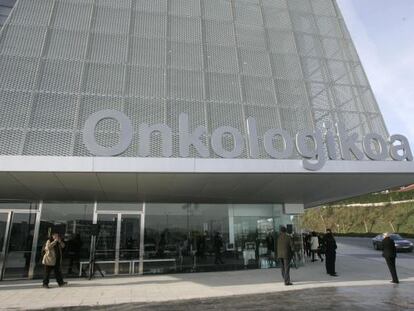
(52, 259)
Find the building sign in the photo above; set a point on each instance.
(309, 144)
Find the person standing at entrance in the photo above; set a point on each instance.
(284, 254)
(315, 247)
(74, 250)
(390, 253)
(52, 260)
(218, 244)
(330, 253)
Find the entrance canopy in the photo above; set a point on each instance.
(194, 180)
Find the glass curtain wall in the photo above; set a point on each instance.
(73, 222)
(17, 229)
(184, 237)
(19, 250)
(209, 237)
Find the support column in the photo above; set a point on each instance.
(118, 242)
(35, 241)
(141, 241)
(231, 225)
(5, 244)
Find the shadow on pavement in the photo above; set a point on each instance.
(355, 298)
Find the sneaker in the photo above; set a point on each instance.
(45, 286)
(63, 284)
(288, 284)
(334, 274)
(395, 282)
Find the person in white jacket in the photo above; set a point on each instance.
(315, 247)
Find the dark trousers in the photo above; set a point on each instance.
(307, 250)
(58, 274)
(74, 260)
(330, 259)
(217, 255)
(391, 266)
(285, 268)
(317, 252)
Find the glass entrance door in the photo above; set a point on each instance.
(118, 242)
(105, 252)
(17, 244)
(129, 241)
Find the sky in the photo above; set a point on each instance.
(383, 33)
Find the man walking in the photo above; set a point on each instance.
(390, 253)
(330, 252)
(284, 254)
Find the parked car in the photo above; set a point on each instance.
(400, 243)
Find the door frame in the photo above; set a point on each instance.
(119, 214)
(3, 251)
(6, 244)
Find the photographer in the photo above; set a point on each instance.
(52, 259)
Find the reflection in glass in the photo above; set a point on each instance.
(131, 207)
(73, 222)
(31, 206)
(106, 242)
(184, 237)
(129, 239)
(118, 247)
(3, 225)
(255, 241)
(19, 249)
(206, 237)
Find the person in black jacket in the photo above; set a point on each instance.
(218, 244)
(330, 252)
(390, 253)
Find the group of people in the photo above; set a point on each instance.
(53, 249)
(317, 245)
(285, 252)
(314, 244)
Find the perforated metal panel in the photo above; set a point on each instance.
(5, 9)
(288, 63)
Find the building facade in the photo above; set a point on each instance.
(189, 130)
(5, 9)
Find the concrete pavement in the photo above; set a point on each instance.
(362, 271)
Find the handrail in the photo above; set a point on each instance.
(131, 262)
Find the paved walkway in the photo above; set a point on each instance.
(360, 273)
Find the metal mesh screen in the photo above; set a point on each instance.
(288, 63)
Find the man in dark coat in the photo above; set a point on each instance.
(390, 253)
(330, 252)
(218, 244)
(284, 254)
